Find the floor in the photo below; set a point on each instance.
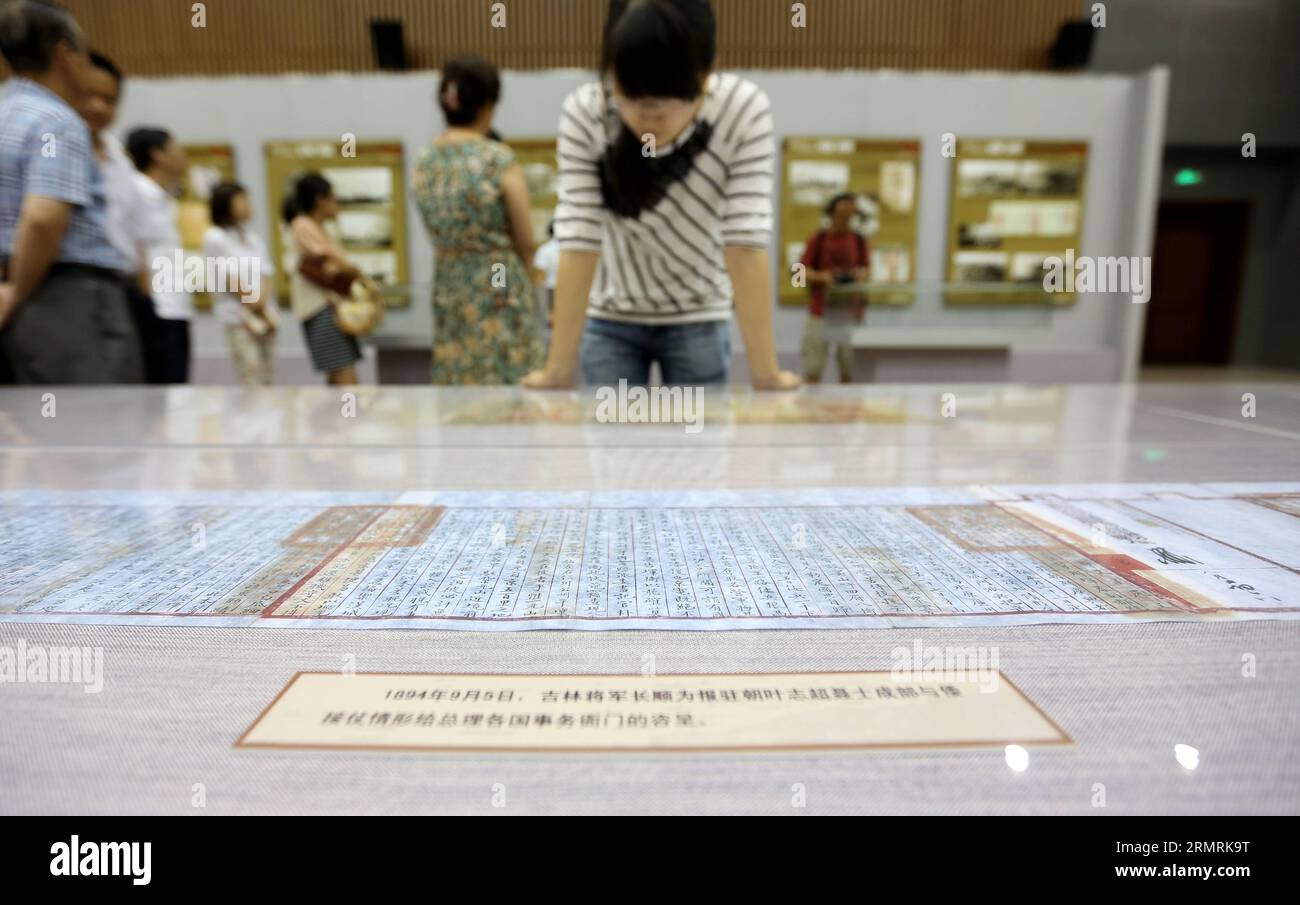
(1216, 374)
(160, 736)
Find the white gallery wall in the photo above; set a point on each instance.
(1120, 116)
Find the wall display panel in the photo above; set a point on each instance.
(885, 174)
(370, 185)
(537, 157)
(209, 165)
(1014, 204)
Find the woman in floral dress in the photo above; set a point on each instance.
(474, 202)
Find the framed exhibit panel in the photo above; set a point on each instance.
(1015, 203)
(541, 171)
(209, 165)
(370, 184)
(885, 174)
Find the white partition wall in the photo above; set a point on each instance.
(1121, 117)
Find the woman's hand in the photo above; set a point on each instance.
(547, 379)
(781, 380)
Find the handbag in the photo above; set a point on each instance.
(361, 310)
(358, 306)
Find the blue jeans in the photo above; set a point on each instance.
(688, 354)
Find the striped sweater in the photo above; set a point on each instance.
(666, 266)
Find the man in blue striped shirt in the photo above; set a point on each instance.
(64, 317)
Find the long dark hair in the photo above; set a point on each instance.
(660, 48)
(309, 189)
(654, 48)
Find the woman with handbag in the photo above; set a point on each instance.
(321, 279)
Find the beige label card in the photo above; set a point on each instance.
(765, 711)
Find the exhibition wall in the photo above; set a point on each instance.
(1120, 117)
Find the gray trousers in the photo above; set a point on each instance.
(75, 329)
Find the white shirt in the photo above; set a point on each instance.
(243, 246)
(667, 265)
(547, 260)
(122, 197)
(158, 236)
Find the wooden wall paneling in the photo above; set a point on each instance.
(155, 37)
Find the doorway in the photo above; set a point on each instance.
(1200, 255)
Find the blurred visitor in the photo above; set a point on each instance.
(546, 261)
(837, 255)
(474, 201)
(319, 273)
(64, 317)
(99, 109)
(162, 307)
(247, 312)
